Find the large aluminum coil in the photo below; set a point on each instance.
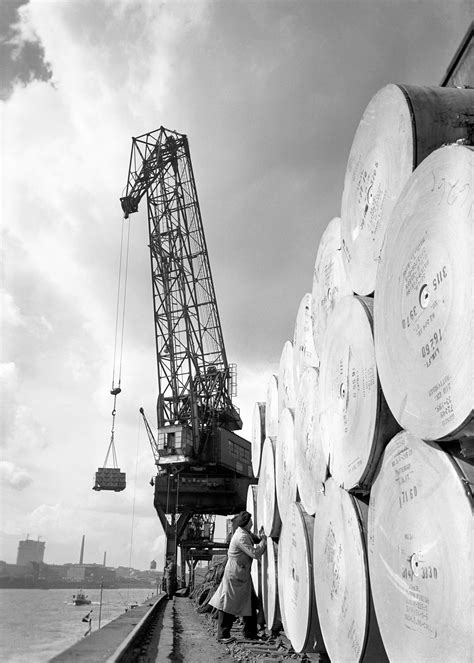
(271, 407)
(400, 127)
(251, 507)
(330, 281)
(286, 379)
(295, 582)
(304, 352)
(285, 467)
(258, 436)
(424, 299)
(341, 579)
(270, 600)
(268, 515)
(420, 537)
(310, 459)
(355, 421)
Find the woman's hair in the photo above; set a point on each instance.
(242, 519)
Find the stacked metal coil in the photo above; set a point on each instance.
(365, 483)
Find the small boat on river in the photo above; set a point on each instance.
(80, 598)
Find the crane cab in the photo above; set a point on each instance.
(109, 478)
(175, 444)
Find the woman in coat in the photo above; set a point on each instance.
(235, 595)
(171, 581)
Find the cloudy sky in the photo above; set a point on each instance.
(270, 94)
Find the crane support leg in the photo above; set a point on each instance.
(174, 532)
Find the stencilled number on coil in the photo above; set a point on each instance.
(429, 573)
(409, 319)
(407, 495)
(431, 345)
(445, 409)
(440, 277)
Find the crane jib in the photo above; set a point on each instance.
(203, 466)
(195, 382)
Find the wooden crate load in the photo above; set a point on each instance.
(109, 478)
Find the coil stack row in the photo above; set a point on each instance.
(362, 443)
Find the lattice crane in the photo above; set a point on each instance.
(203, 465)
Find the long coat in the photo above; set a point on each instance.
(171, 581)
(234, 594)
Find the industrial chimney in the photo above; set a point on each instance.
(81, 557)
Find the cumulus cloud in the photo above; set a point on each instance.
(8, 390)
(14, 476)
(13, 317)
(21, 431)
(45, 517)
(22, 53)
(10, 312)
(28, 433)
(8, 377)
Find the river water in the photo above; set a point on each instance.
(37, 624)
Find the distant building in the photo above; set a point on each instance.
(84, 573)
(30, 551)
(54, 572)
(13, 570)
(125, 572)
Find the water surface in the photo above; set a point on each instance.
(37, 624)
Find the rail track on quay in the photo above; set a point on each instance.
(176, 630)
(163, 630)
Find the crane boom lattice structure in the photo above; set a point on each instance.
(203, 465)
(196, 383)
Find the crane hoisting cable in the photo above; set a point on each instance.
(111, 478)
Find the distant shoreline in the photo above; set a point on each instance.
(18, 583)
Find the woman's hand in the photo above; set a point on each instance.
(261, 533)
